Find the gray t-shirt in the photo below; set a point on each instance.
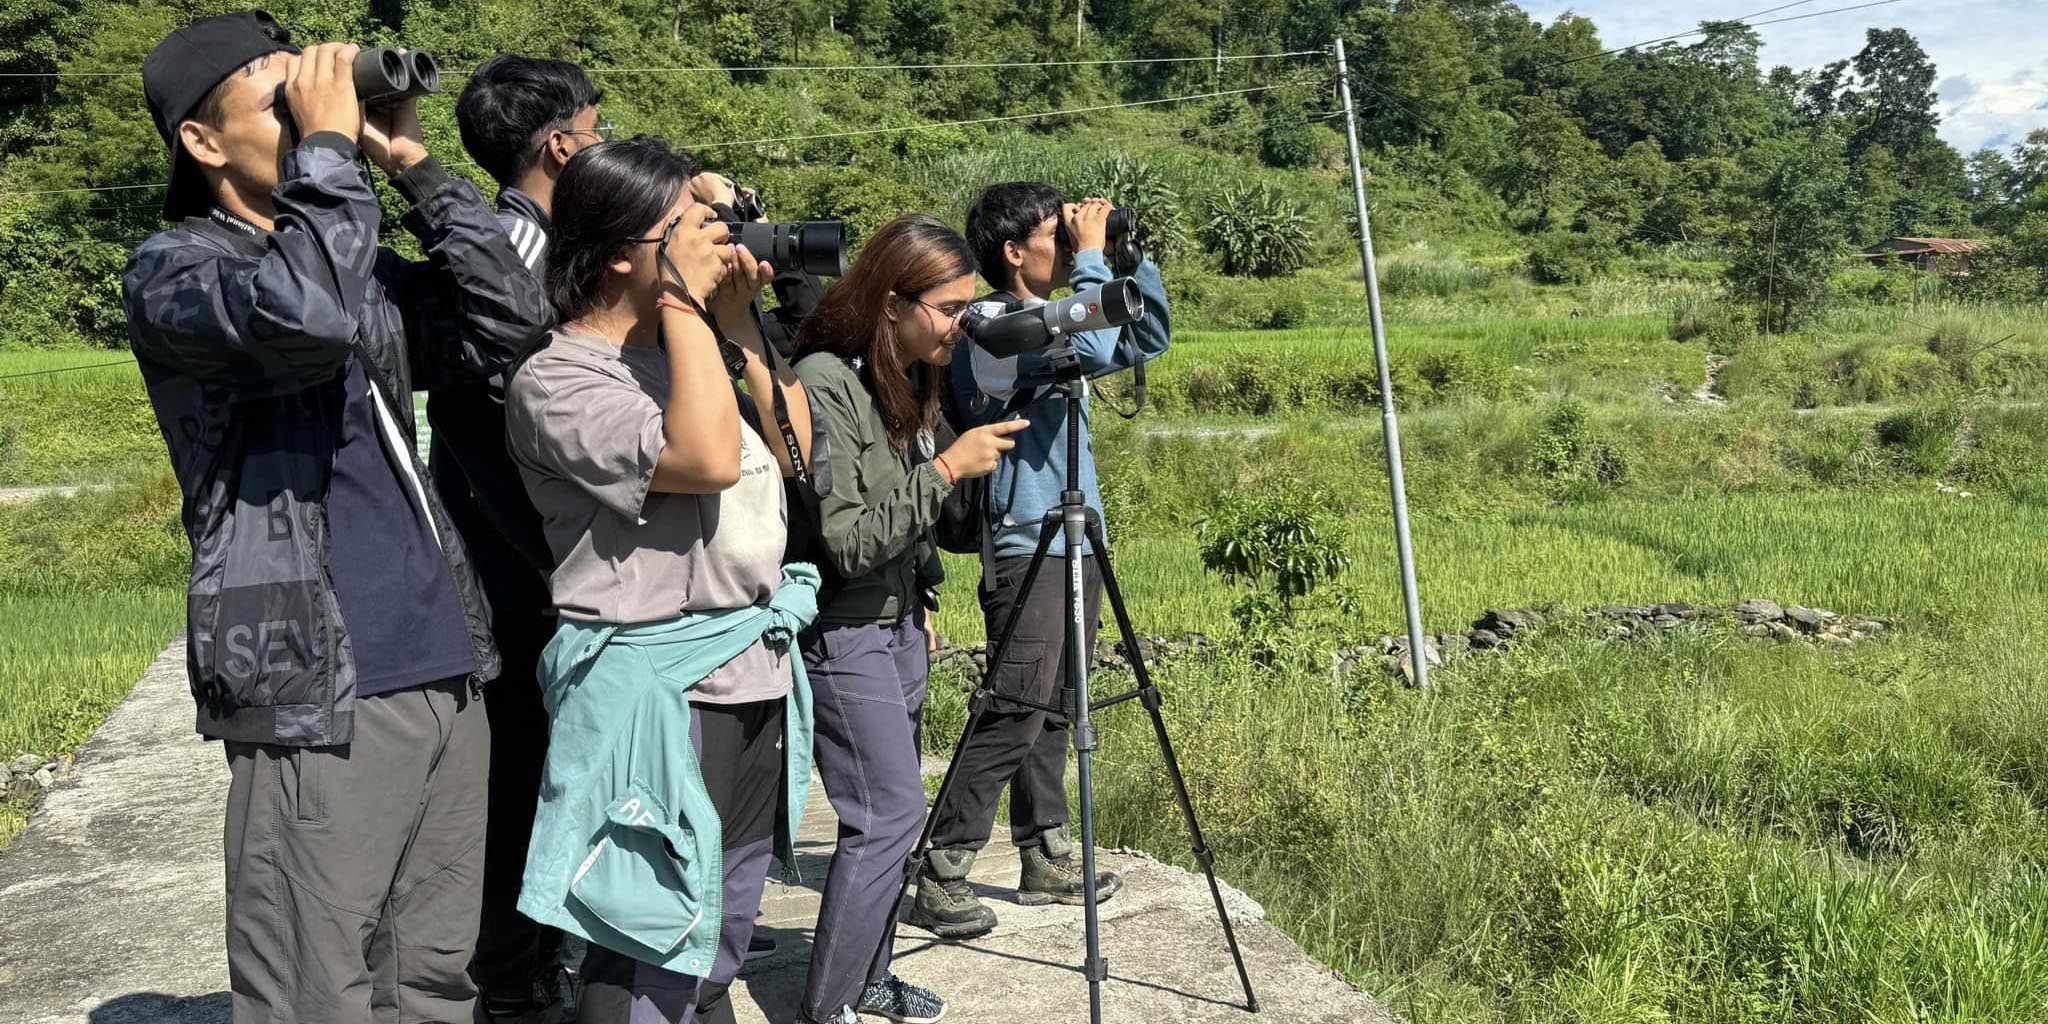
(584, 423)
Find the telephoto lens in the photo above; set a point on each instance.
(816, 247)
(1109, 304)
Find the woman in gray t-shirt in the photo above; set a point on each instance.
(659, 495)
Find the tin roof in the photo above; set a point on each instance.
(1938, 246)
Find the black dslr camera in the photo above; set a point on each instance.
(816, 247)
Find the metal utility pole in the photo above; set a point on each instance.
(1418, 654)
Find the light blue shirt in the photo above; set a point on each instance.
(1031, 476)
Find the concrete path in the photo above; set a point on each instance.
(111, 910)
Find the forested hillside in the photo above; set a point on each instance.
(1532, 147)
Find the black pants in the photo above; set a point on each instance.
(739, 750)
(1022, 748)
(512, 950)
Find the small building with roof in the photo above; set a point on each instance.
(1935, 255)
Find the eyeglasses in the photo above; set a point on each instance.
(944, 314)
(667, 232)
(602, 131)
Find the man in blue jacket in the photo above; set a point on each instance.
(338, 642)
(1029, 242)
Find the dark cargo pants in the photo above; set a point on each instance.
(354, 872)
(868, 690)
(739, 750)
(1022, 748)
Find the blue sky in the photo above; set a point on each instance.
(1993, 79)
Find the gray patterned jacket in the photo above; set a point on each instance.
(244, 339)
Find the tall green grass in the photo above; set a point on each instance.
(74, 420)
(91, 588)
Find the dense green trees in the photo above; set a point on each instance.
(1478, 120)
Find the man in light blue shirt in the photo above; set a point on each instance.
(1029, 242)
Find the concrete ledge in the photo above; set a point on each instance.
(112, 908)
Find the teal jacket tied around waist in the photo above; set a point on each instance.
(627, 849)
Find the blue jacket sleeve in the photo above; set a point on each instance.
(471, 307)
(275, 324)
(1102, 352)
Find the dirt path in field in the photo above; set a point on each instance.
(9, 495)
(112, 908)
(1709, 391)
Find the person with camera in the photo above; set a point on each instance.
(797, 291)
(338, 643)
(1028, 242)
(872, 357)
(680, 744)
(521, 120)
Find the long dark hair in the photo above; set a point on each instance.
(608, 194)
(909, 256)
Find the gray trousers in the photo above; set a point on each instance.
(868, 690)
(355, 872)
(739, 750)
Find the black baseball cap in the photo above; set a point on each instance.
(182, 70)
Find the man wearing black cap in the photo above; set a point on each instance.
(338, 643)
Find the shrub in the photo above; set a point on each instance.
(1291, 144)
(1922, 439)
(1569, 257)
(1568, 450)
(1256, 231)
(1292, 540)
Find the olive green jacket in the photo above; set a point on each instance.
(870, 528)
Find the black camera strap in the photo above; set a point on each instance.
(735, 359)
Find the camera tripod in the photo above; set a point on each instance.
(1077, 523)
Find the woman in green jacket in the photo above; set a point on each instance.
(870, 358)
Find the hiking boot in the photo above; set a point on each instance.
(945, 906)
(900, 1001)
(1052, 874)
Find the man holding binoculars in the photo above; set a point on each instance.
(1029, 242)
(338, 641)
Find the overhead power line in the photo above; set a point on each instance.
(804, 68)
(850, 133)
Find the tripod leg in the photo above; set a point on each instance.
(984, 695)
(1149, 695)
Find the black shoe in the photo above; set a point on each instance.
(900, 1001)
(759, 948)
(541, 1005)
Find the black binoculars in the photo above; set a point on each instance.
(386, 75)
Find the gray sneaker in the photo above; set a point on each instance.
(1052, 874)
(945, 905)
(900, 1001)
